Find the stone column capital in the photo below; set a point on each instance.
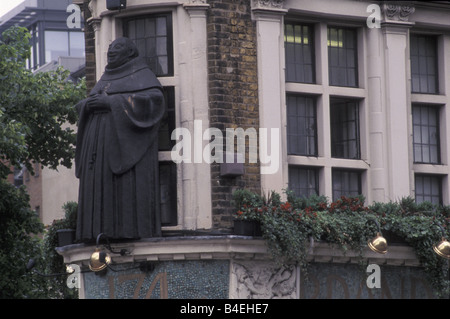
(268, 7)
(397, 13)
(196, 6)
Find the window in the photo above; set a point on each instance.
(298, 40)
(304, 181)
(33, 60)
(153, 37)
(345, 140)
(165, 143)
(428, 188)
(63, 43)
(342, 57)
(346, 183)
(301, 125)
(168, 190)
(426, 134)
(424, 75)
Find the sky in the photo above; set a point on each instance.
(6, 5)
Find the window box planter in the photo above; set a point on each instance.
(247, 228)
(65, 237)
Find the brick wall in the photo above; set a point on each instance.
(233, 93)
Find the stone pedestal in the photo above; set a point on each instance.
(230, 266)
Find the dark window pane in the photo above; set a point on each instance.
(426, 142)
(345, 141)
(301, 125)
(346, 183)
(423, 54)
(303, 181)
(299, 53)
(168, 193)
(153, 37)
(165, 143)
(428, 188)
(342, 57)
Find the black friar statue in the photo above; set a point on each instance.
(117, 150)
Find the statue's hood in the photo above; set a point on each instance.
(135, 75)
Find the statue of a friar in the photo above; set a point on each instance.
(117, 150)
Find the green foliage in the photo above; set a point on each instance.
(57, 286)
(35, 108)
(18, 242)
(288, 226)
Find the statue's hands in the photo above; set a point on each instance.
(98, 102)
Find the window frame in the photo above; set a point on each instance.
(340, 50)
(169, 210)
(345, 140)
(343, 192)
(436, 110)
(438, 178)
(169, 35)
(311, 172)
(311, 149)
(417, 75)
(300, 47)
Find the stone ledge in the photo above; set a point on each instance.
(228, 247)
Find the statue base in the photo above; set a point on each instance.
(230, 266)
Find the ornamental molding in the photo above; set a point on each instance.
(262, 280)
(267, 9)
(95, 23)
(195, 5)
(398, 12)
(270, 5)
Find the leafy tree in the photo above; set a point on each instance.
(35, 110)
(18, 222)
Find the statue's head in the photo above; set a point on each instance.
(121, 51)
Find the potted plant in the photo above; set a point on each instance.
(247, 216)
(65, 228)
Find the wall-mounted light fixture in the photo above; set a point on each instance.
(443, 247)
(100, 259)
(32, 262)
(378, 244)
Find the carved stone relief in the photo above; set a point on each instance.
(262, 280)
(398, 12)
(268, 4)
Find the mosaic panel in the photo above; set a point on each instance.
(349, 281)
(168, 280)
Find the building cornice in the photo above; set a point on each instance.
(230, 247)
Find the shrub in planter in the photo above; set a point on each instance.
(287, 226)
(55, 262)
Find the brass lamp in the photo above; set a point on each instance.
(443, 247)
(99, 260)
(378, 244)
